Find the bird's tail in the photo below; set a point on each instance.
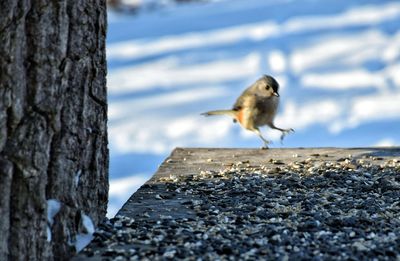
(230, 113)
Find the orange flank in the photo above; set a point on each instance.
(239, 116)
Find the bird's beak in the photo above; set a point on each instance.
(276, 94)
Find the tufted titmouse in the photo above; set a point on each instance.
(256, 107)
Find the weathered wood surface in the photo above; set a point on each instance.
(191, 161)
(252, 204)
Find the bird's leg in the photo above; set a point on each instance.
(284, 131)
(266, 142)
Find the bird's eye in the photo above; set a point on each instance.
(267, 87)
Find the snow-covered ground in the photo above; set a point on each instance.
(338, 64)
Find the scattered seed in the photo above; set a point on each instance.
(299, 210)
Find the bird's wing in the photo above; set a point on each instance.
(244, 99)
(247, 112)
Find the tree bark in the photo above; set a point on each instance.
(53, 119)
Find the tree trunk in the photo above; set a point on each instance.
(53, 116)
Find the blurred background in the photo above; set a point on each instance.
(337, 62)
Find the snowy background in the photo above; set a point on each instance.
(338, 64)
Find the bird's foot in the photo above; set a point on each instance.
(266, 143)
(286, 132)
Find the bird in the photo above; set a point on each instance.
(256, 107)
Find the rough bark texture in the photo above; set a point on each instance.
(53, 116)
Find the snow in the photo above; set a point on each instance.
(134, 107)
(375, 108)
(121, 188)
(53, 207)
(48, 231)
(77, 177)
(255, 31)
(138, 49)
(88, 224)
(172, 73)
(362, 15)
(352, 79)
(277, 61)
(337, 63)
(346, 50)
(82, 240)
(385, 143)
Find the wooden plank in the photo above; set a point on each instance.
(247, 204)
(191, 161)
